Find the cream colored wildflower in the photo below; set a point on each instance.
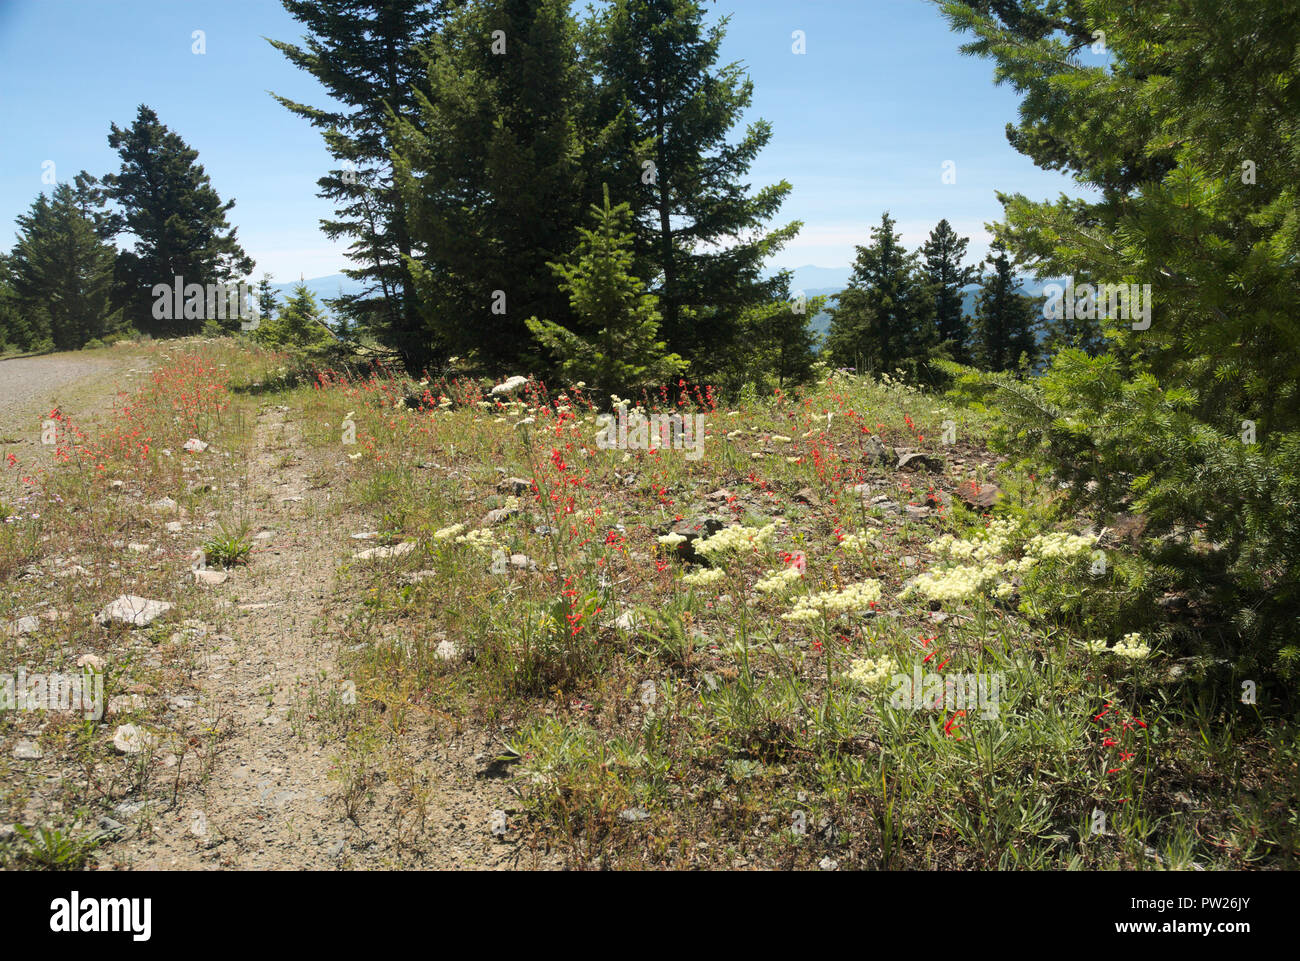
(781, 580)
(870, 673)
(854, 597)
(702, 578)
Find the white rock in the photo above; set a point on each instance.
(130, 739)
(195, 446)
(132, 610)
(163, 504)
(173, 527)
(24, 625)
(27, 751)
(92, 661)
(211, 578)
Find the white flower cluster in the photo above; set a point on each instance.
(1059, 545)
(447, 533)
(509, 386)
(1131, 646)
(859, 541)
(672, 540)
(481, 539)
(735, 539)
(854, 597)
(778, 580)
(984, 546)
(869, 673)
(701, 578)
(956, 583)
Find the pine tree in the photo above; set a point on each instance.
(675, 157)
(622, 352)
(1005, 319)
(267, 301)
(300, 325)
(166, 200)
(942, 255)
(885, 317)
(366, 53)
(63, 274)
(490, 170)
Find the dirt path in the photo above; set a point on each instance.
(264, 668)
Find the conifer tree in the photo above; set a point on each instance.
(62, 274)
(367, 55)
(885, 317)
(1191, 416)
(267, 301)
(166, 200)
(1005, 319)
(942, 255)
(677, 159)
(619, 347)
(300, 325)
(490, 168)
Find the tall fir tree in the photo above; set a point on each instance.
(884, 319)
(367, 55)
(490, 168)
(621, 349)
(676, 158)
(1006, 321)
(942, 256)
(165, 199)
(63, 274)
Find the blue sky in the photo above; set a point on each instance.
(864, 120)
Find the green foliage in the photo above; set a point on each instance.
(666, 113)
(1005, 320)
(942, 256)
(61, 275)
(884, 320)
(55, 849)
(230, 546)
(1195, 421)
(299, 326)
(489, 167)
(167, 203)
(367, 55)
(617, 349)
